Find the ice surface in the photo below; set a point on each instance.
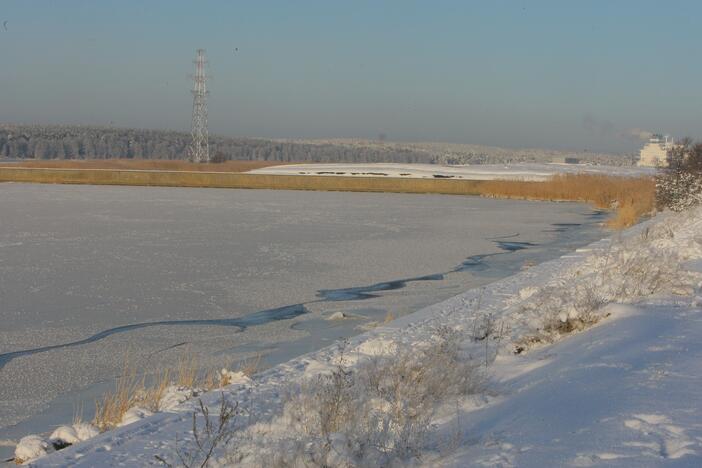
(167, 271)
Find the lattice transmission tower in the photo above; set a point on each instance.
(199, 150)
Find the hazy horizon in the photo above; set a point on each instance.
(544, 74)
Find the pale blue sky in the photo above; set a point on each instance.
(560, 74)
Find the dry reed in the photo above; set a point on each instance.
(632, 197)
(249, 367)
(389, 317)
(133, 390)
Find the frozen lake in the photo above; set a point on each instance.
(93, 275)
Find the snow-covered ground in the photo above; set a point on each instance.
(593, 359)
(519, 171)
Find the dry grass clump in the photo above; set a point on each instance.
(249, 367)
(389, 317)
(133, 390)
(113, 404)
(148, 164)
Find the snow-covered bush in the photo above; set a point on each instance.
(679, 187)
(643, 265)
(374, 413)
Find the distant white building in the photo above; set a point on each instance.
(655, 152)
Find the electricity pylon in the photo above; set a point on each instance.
(199, 150)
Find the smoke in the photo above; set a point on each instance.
(597, 127)
(604, 128)
(635, 134)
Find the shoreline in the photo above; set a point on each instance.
(268, 383)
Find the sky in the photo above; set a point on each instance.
(590, 75)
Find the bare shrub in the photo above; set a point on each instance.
(370, 414)
(215, 431)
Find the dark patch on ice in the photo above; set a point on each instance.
(562, 227)
(509, 236)
(514, 246)
(365, 292)
(167, 348)
(474, 263)
(241, 323)
(597, 214)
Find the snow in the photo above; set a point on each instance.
(621, 391)
(517, 171)
(337, 316)
(174, 395)
(600, 397)
(234, 377)
(64, 435)
(134, 414)
(31, 447)
(85, 431)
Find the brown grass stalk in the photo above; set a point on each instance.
(132, 389)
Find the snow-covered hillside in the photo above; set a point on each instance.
(591, 359)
